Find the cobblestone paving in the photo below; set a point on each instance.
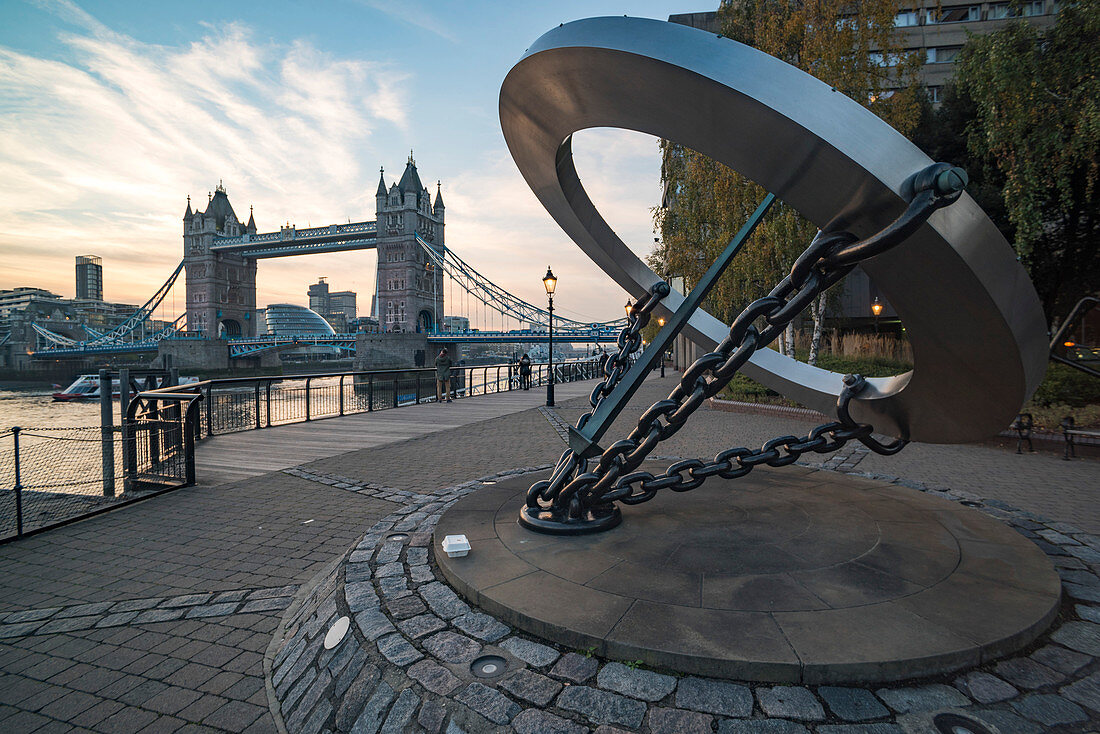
(156, 617)
(211, 552)
(407, 663)
(247, 535)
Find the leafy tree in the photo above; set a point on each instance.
(855, 51)
(1033, 103)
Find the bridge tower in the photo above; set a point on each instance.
(410, 293)
(221, 287)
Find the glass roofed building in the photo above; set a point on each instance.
(286, 319)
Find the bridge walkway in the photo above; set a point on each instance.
(235, 456)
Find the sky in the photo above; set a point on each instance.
(112, 114)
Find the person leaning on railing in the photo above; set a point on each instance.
(443, 377)
(525, 372)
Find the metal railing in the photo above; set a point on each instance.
(159, 435)
(247, 403)
(54, 476)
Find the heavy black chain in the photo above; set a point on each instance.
(573, 490)
(614, 367)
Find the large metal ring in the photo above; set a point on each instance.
(971, 314)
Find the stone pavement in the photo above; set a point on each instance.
(171, 604)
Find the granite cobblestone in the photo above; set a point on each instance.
(622, 696)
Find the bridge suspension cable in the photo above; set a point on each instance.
(53, 337)
(133, 323)
(139, 317)
(498, 299)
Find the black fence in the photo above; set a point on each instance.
(247, 403)
(53, 476)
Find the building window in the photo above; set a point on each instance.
(906, 18)
(941, 54)
(999, 11)
(953, 14)
(935, 94)
(885, 60)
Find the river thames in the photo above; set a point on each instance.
(35, 408)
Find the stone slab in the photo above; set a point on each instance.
(828, 579)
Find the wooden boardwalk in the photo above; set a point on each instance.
(235, 456)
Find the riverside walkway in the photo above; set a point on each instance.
(160, 617)
(228, 457)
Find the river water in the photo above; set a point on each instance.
(35, 408)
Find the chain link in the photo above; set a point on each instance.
(614, 368)
(573, 489)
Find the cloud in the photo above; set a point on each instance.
(414, 13)
(100, 142)
(98, 150)
(495, 223)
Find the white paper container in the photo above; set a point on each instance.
(456, 546)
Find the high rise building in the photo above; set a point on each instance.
(89, 277)
(318, 296)
(342, 302)
(336, 307)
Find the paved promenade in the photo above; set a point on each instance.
(157, 617)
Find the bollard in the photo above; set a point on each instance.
(107, 433)
(307, 399)
(18, 486)
(123, 405)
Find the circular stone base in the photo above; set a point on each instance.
(788, 575)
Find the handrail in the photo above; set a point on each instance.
(246, 403)
(314, 375)
(153, 433)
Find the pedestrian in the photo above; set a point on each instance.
(443, 377)
(525, 372)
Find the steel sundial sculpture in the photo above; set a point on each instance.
(971, 314)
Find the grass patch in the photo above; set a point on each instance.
(1064, 391)
(744, 390)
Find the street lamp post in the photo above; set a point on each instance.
(876, 309)
(551, 283)
(661, 323)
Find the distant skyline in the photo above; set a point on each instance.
(111, 114)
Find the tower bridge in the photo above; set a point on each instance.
(219, 266)
(220, 256)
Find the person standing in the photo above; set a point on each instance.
(443, 377)
(525, 372)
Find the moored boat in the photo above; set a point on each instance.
(86, 387)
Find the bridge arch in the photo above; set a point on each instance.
(425, 322)
(229, 328)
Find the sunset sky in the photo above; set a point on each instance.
(111, 114)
